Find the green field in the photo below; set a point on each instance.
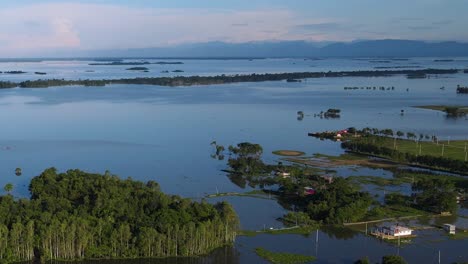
(454, 149)
(283, 258)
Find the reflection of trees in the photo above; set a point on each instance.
(228, 255)
(253, 181)
(339, 232)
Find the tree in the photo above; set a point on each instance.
(8, 188)
(364, 260)
(392, 259)
(399, 133)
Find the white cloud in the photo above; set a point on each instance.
(93, 26)
(33, 28)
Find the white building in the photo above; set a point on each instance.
(450, 228)
(397, 230)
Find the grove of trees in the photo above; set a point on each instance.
(77, 215)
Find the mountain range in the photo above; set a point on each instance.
(272, 49)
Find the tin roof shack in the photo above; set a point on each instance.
(392, 232)
(449, 228)
(283, 174)
(397, 231)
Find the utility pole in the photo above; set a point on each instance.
(443, 146)
(316, 244)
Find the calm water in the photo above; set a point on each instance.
(164, 134)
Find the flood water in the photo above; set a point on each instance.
(164, 134)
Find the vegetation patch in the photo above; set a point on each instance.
(450, 110)
(288, 153)
(283, 258)
(137, 69)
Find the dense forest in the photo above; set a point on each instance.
(77, 215)
(221, 79)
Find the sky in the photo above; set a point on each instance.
(28, 27)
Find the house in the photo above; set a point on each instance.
(309, 191)
(283, 174)
(449, 228)
(327, 178)
(396, 231)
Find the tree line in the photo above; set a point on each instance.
(221, 79)
(445, 163)
(78, 215)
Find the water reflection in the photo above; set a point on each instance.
(228, 255)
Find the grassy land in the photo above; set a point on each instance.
(283, 258)
(378, 181)
(461, 109)
(292, 153)
(253, 194)
(395, 211)
(300, 230)
(454, 149)
(459, 235)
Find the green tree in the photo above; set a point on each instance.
(8, 188)
(364, 260)
(393, 259)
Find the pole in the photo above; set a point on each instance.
(394, 143)
(366, 228)
(316, 244)
(443, 146)
(466, 155)
(439, 256)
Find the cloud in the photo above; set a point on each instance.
(240, 25)
(422, 27)
(33, 28)
(321, 26)
(443, 22)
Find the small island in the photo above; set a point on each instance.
(450, 110)
(137, 69)
(462, 90)
(40, 73)
(120, 63)
(14, 72)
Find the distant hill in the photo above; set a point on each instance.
(370, 48)
(395, 48)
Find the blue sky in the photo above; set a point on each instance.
(29, 26)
